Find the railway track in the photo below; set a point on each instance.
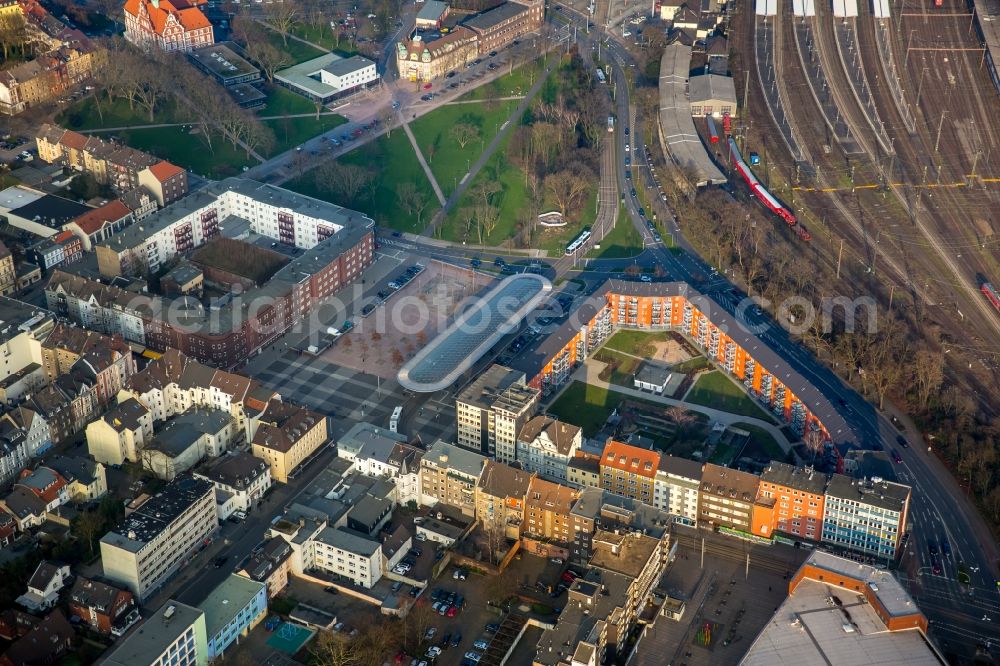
(761, 557)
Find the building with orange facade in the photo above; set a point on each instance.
(770, 379)
(629, 470)
(790, 502)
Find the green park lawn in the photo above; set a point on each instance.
(516, 82)
(283, 102)
(715, 389)
(392, 158)
(297, 51)
(84, 114)
(323, 35)
(291, 132)
(512, 199)
(447, 159)
(176, 145)
(586, 406)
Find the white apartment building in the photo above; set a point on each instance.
(347, 554)
(376, 451)
(491, 411)
(349, 73)
(546, 446)
(242, 480)
(121, 433)
(175, 635)
(676, 488)
(291, 218)
(154, 540)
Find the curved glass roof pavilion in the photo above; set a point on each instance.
(458, 347)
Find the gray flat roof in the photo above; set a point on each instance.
(449, 456)
(222, 61)
(457, 348)
(807, 629)
(301, 75)
(338, 537)
(432, 10)
(226, 601)
(145, 644)
(345, 66)
(491, 17)
(677, 131)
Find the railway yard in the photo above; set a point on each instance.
(906, 214)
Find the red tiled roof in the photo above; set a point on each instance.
(92, 221)
(632, 459)
(189, 16)
(164, 170)
(74, 140)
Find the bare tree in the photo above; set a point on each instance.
(282, 16)
(928, 374)
(412, 199)
(346, 180)
(87, 526)
(333, 649)
(567, 188)
(464, 133)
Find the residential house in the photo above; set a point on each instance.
(727, 497)
(500, 496)
(286, 436)
(97, 225)
(13, 450)
(184, 440)
(46, 643)
(8, 529)
(165, 181)
(583, 472)
(63, 247)
(121, 434)
(8, 275)
(349, 555)
(38, 437)
(629, 470)
(449, 474)
(106, 609)
(546, 446)
(240, 480)
(547, 511)
(85, 478)
(68, 404)
(676, 486)
(44, 586)
(106, 359)
(270, 564)
(790, 502)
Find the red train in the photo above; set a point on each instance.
(727, 124)
(763, 195)
(713, 135)
(990, 292)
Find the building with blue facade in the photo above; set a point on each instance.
(231, 611)
(865, 515)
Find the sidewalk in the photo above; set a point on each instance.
(420, 158)
(590, 372)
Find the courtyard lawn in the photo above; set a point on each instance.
(622, 241)
(762, 441)
(586, 406)
(187, 150)
(621, 368)
(84, 115)
(637, 343)
(447, 159)
(714, 389)
(395, 163)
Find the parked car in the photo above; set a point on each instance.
(481, 645)
(456, 639)
(473, 656)
(430, 633)
(492, 628)
(219, 561)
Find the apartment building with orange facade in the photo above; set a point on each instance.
(790, 501)
(629, 470)
(771, 380)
